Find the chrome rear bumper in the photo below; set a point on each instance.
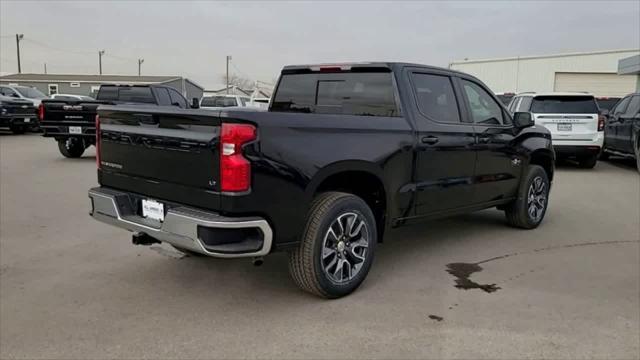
(182, 225)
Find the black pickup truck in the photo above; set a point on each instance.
(16, 114)
(72, 122)
(622, 130)
(345, 154)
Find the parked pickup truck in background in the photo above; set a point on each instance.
(16, 114)
(622, 131)
(344, 154)
(71, 122)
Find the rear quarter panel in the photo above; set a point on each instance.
(295, 152)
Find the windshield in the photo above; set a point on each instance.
(218, 101)
(564, 105)
(30, 93)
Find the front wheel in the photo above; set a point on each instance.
(337, 246)
(528, 210)
(71, 147)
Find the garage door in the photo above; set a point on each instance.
(600, 84)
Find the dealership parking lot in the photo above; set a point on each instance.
(71, 287)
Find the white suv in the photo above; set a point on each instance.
(574, 120)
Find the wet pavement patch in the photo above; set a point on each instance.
(462, 272)
(436, 318)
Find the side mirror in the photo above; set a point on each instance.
(522, 120)
(15, 95)
(195, 103)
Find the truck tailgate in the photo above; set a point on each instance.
(160, 145)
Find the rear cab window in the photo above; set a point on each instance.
(218, 101)
(132, 94)
(564, 104)
(344, 92)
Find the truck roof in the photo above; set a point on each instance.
(366, 64)
(558, 93)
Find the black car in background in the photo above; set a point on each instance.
(622, 129)
(16, 114)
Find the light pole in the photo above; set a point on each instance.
(100, 53)
(18, 38)
(140, 61)
(228, 59)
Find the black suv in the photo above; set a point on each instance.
(622, 130)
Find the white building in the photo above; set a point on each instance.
(595, 72)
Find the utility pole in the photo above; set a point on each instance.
(228, 59)
(45, 68)
(100, 53)
(140, 61)
(18, 38)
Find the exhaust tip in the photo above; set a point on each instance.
(257, 261)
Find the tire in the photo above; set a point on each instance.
(331, 212)
(604, 156)
(188, 252)
(71, 147)
(638, 156)
(518, 214)
(17, 129)
(588, 162)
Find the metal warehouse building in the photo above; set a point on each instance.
(595, 72)
(89, 84)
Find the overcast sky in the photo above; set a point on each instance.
(193, 38)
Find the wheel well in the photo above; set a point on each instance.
(364, 185)
(544, 160)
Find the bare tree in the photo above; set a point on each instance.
(237, 80)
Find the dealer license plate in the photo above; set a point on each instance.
(565, 127)
(152, 210)
(75, 130)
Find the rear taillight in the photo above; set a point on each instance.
(601, 120)
(98, 141)
(41, 112)
(235, 169)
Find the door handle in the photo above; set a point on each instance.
(483, 139)
(430, 140)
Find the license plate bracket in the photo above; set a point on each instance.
(565, 127)
(152, 209)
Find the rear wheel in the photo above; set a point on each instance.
(604, 156)
(588, 162)
(71, 147)
(638, 156)
(528, 210)
(337, 246)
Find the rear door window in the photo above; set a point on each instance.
(622, 106)
(633, 107)
(163, 96)
(436, 98)
(555, 104)
(483, 108)
(177, 98)
(347, 93)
